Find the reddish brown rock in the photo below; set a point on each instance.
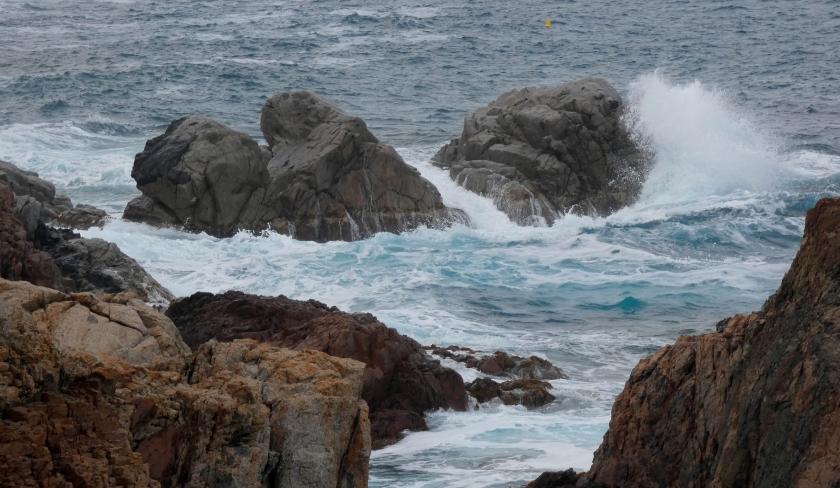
(19, 260)
(97, 391)
(755, 404)
(400, 384)
(528, 393)
(501, 363)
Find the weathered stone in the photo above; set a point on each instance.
(324, 177)
(542, 152)
(755, 403)
(400, 382)
(528, 393)
(90, 265)
(501, 363)
(19, 259)
(83, 403)
(36, 201)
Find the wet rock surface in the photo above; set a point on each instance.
(100, 391)
(539, 153)
(324, 177)
(501, 363)
(36, 201)
(528, 393)
(755, 403)
(400, 381)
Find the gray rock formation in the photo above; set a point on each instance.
(323, 177)
(36, 201)
(96, 265)
(542, 152)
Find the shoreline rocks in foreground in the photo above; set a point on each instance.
(400, 382)
(323, 177)
(540, 153)
(754, 404)
(101, 391)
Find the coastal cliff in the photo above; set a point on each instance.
(754, 404)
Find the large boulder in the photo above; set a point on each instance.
(37, 201)
(200, 175)
(100, 391)
(754, 404)
(542, 152)
(323, 177)
(400, 381)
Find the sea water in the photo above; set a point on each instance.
(738, 100)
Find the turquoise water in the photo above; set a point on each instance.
(738, 100)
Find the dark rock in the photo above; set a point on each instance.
(400, 382)
(528, 393)
(542, 152)
(19, 259)
(324, 177)
(556, 479)
(755, 403)
(201, 175)
(36, 201)
(501, 363)
(91, 265)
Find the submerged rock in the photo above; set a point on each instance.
(542, 152)
(528, 393)
(100, 391)
(400, 381)
(501, 363)
(36, 201)
(754, 404)
(324, 177)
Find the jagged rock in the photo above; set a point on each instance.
(36, 201)
(754, 404)
(542, 152)
(501, 363)
(19, 259)
(556, 479)
(89, 265)
(324, 177)
(116, 399)
(400, 382)
(201, 175)
(528, 393)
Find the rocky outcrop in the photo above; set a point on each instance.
(501, 363)
(100, 391)
(96, 265)
(528, 393)
(400, 381)
(36, 201)
(754, 404)
(61, 259)
(542, 152)
(19, 259)
(323, 177)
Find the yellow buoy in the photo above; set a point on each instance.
(548, 23)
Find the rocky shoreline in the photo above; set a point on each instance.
(107, 379)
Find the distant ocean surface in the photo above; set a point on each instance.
(739, 100)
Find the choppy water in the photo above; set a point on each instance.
(743, 113)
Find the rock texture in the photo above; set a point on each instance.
(323, 177)
(36, 201)
(501, 363)
(95, 265)
(66, 261)
(754, 404)
(101, 391)
(19, 259)
(542, 152)
(400, 381)
(528, 393)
